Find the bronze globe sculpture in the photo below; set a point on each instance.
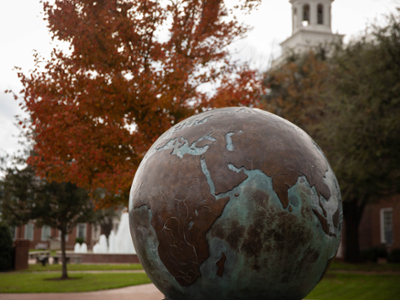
(235, 203)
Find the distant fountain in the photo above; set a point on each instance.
(80, 248)
(121, 242)
(123, 239)
(111, 240)
(96, 248)
(101, 246)
(83, 248)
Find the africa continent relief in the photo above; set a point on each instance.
(213, 155)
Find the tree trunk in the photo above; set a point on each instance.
(352, 213)
(64, 274)
(106, 227)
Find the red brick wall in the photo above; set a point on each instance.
(370, 226)
(394, 203)
(99, 258)
(366, 228)
(21, 254)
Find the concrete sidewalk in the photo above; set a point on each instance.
(136, 292)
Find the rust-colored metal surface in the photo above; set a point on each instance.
(229, 190)
(183, 211)
(275, 148)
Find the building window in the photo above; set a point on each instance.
(46, 233)
(81, 231)
(386, 220)
(306, 15)
(13, 231)
(59, 236)
(96, 232)
(29, 232)
(320, 14)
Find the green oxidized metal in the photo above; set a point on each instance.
(235, 203)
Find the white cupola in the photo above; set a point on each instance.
(311, 28)
(311, 15)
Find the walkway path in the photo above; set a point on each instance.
(137, 292)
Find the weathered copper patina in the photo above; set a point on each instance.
(232, 193)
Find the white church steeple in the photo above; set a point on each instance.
(311, 28)
(312, 15)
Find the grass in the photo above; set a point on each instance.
(336, 286)
(42, 283)
(52, 252)
(366, 267)
(83, 267)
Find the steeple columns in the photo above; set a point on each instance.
(311, 26)
(312, 15)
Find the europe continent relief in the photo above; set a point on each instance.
(186, 177)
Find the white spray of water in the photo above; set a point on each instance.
(77, 248)
(121, 242)
(101, 246)
(80, 248)
(123, 239)
(111, 239)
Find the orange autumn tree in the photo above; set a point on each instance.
(134, 68)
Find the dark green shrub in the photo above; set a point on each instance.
(79, 240)
(367, 256)
(6, 248)
(394, 256)
(372, 254)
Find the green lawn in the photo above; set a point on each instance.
(83, 267)
(337, 286)
(80, 282)
(365, 267)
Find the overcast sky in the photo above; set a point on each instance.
(23, 30)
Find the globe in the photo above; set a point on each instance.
(235, 203)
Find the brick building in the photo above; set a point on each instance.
(49, 238)
(380, 224)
